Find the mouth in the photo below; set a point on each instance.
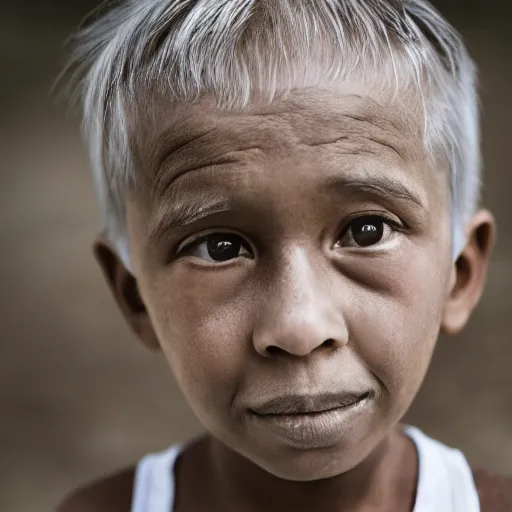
(312, 422)
(296, 405)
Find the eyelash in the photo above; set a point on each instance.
(395, 227)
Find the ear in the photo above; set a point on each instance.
(123, 286)
(469, 272)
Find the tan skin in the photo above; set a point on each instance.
(327, 232)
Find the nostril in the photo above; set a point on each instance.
(272, 350)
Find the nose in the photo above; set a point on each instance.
(300, 312)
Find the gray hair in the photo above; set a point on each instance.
(240, 50)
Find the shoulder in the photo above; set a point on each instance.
(110, 494)
(494, 491)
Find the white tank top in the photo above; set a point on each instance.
(445, 480)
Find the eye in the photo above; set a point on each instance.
(217, 248)
(368, 230)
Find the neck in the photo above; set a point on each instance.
(385, 480)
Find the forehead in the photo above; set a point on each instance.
(177, 133)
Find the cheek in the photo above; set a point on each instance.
(397, 338)
(202, 328)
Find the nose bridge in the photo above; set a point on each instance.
(300, 312)
(298, 283)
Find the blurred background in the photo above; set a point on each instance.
(79, 397)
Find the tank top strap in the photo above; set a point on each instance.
(445, 480)
(154, 484)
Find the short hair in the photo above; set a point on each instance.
(238, 50)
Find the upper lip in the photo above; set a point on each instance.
(308, 404)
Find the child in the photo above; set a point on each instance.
(289, 193)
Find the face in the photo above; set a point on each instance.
(294, 262)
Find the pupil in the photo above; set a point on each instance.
(223, 247)
(367, 231)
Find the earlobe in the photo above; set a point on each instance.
(469, 273)
(124, 288)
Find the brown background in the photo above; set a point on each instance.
(78, 396)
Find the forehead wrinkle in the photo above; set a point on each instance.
(386, 114)
(358, 145)
(174, 171)
(231, 141)
(211, 147)
(168, 143)
(371, 120)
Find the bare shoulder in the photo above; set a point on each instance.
(110, 494)
(495, 491)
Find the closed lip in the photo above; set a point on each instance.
(296, 404)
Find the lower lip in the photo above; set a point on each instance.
(313, 430)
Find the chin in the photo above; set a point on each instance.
(308, 465)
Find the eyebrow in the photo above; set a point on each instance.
(185, 214)
(374, 185)
(198, 208)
